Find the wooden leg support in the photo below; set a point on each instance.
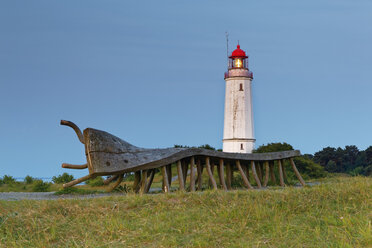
(296, 172)
(192, 174)
(267, 172)
(169, 173)
(221, 174)
(77, 181)
(228, 176)
(281, 174)
(149, 181)
(164, 173)
(272, 174)
(180, 176)
(117, 183)
(143, 181)
(200, 174)
(244, 177)
(137, 181)
(255, 174)
(110, 179)
(210, 174)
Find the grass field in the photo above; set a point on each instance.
(337, 213)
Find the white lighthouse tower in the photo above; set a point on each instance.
(238, 133)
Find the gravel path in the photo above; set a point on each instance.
(15, 196)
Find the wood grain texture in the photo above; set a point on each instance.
(256, 178)
(243, 175)
(210, 174)
(281, 178)
(296, 172)
(180, 175)
(192, 174)
(164, 173)
(222, 174)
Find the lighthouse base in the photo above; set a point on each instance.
(238, 145)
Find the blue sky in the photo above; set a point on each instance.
(151, 72)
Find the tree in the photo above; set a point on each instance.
(64, 178)
(273, 147)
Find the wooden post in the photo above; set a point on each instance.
(117, 183)
(192, 174)
(244, 177)
(212, 171)
(143, 181)
(180, 175)
(76, 181)
(110, 179)
(284, 173)
(228, 176)
(267, 172)
(210, 174)
(262, 171)
(281, 174)
(258, 170)
(149, 182)
(222, 176)
(166, 187)
(246, 170)
(255, 174)
(296, 172)
(137, 180)
(200, 174)
(185, 167)
(169, 174)
(272, 174)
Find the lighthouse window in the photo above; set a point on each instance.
(241, 87)
(241, 147)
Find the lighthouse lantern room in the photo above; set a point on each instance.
(238, 134)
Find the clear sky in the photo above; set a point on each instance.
(151, 73)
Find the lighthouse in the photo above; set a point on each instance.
(238, 133)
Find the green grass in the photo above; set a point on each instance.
(337, 213)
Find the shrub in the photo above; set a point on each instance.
(40, 186)
(308, 167)
(29, 179)
(98, 181)
(64, 178)
(8, 179)
(1, 181)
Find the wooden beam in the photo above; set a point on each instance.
(222, 175)
(246, 170)
(258, 170)
(229, 176)
(281, 179)
(149, 181)
(192, 174)
(137, 180)
(212, 170)
(180, 176)
(117, 183)
(185, 167)
(272, 174)
(262, 170)
(244, 177)
(143, 182)
(169, 174)
(110, 179)
(74, 166)
(267, 172)
(77, 181)
(296, 172)
(199, 168)
(210, 174)
(255, 174)
(166, 187)
(284, 173)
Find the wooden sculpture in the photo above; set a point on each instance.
(108, 155)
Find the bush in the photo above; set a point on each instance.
(1, 181)
(64, 178)
(308, 167)
(29, 179)
(40, 186)
(98, 181)
(8, 179)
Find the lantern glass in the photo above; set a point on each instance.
(238, 63)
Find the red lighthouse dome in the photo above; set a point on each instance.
(238, 53)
